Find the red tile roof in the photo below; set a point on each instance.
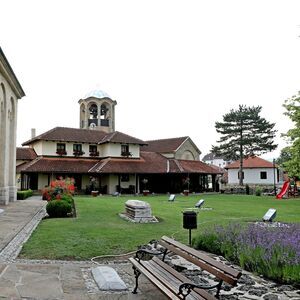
(64, 134)
(195, 166)
(150, 162)
(119, 137)
(164, 145)
(25, 153)
(251, 163)
(59, 165)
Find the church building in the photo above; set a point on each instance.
(95, 153)
(10, 92)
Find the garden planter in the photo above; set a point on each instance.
(186, 192)
(94, 193)
(145, 192)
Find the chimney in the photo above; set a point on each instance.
(33, 133)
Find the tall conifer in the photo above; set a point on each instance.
(244, 133)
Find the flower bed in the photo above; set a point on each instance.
(273, 252)
(59, 196)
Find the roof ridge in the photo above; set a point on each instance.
(180, 137)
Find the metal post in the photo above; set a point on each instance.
(274, 169)
(190, 237)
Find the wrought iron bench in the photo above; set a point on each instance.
(174, 284)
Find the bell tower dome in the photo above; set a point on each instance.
(97, 111)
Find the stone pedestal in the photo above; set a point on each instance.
(138, 211)
(4, 195)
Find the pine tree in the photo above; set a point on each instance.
(244, 133)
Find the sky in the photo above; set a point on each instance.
(174, 67)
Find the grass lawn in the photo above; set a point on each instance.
(98, 229)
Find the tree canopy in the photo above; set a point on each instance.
(244, 133)
(292, 163)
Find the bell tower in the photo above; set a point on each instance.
(97, 111)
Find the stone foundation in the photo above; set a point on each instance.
(12, 193)
(4, 195)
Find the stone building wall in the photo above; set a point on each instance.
(10, 92)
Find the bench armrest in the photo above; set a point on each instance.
(146, 254)
(186, 288)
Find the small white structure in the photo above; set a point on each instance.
(270, 215)
(199, 203)
(255, 171)
(172, 197)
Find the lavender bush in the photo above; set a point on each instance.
(273, 252)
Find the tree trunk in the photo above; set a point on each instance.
(241, 181)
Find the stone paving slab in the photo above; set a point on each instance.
(15, 216)
(66, 281)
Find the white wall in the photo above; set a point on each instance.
(252, 176)
(48, 148)
(114, 150)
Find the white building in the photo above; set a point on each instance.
(255, 171)
(114, 161)
(10, 92)
(212, 159)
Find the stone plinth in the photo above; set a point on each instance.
(138, 211)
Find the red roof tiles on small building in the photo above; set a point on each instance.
(251, 163)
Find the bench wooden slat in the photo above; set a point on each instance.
(167, 279)
(171, 278)
(219, 265)
(199, 263)
(182, 278)
(153, 279)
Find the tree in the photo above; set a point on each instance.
(292, 165)
(244, 133)
(285, 156)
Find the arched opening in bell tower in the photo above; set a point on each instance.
(93, 114)
(104, 114)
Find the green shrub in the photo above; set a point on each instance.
(258, 191)
(21, 195)
(58, 208)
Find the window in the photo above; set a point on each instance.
(125, 150)
(93, 150)
(239, 175)
(61, 149)
(263, 175)
(77, 149)
(125, 177)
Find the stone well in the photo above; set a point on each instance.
(138, 211)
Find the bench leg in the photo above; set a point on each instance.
(218, 289)
(137, 273)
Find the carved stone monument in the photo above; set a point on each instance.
(138, 211)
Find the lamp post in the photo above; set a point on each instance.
(274, 171)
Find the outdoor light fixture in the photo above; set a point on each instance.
(199, 203)
(270, 215)
(172, 197)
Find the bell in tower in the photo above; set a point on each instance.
(97, 111)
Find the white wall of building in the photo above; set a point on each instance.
(48, 148)
(252, 176)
